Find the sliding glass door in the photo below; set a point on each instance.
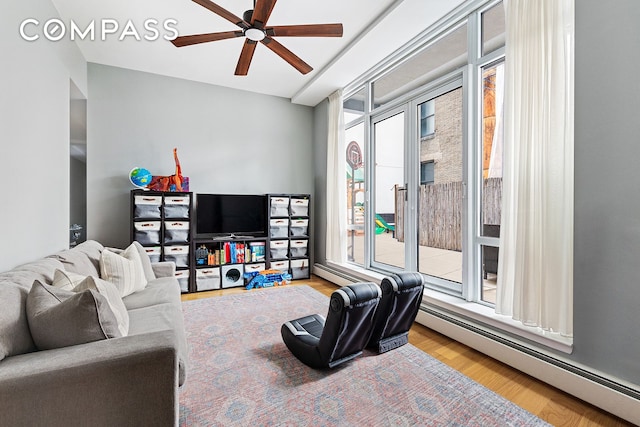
(389, 189)
(440, 184)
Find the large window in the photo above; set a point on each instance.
(427, 196)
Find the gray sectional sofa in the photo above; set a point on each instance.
(129, 380)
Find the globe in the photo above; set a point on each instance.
(140, 177)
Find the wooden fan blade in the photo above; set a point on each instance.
(311, 30)
(245, 57)
(204, 38)
(223, 13)
(261, 12)
(287, 55)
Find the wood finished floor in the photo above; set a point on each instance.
(550, 404)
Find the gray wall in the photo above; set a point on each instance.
(229, 141)
(34, 131)
(607, 188)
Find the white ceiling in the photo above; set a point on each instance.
(373, 29)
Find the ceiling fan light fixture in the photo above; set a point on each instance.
(254, 34)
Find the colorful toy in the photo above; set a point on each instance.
(140, 177)
(266, 279)
(175, 182)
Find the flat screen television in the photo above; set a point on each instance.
(231, 215)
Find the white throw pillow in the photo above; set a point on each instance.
(123, 270)
(113, 297)
(144, 259)
(67, 280)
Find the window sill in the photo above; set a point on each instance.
(479, 314)
(487, 316)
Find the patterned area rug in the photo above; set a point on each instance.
(242, 374)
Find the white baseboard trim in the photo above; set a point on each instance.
(610, 400)
(342, 278)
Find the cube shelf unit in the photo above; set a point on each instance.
(221, 262)
(162, 223)
(289, 234)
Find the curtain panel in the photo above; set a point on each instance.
(535, 273)
(336, 249)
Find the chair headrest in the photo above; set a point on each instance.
(357, 293)
(402, 281)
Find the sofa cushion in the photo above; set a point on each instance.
(59, 318)
(158, 291)
(15, 337)
(83, 259)
(123, 270)
(24, 275)
(159, 318)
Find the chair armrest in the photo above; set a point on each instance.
(164, 269)
(123, 381)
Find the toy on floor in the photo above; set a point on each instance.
(266, 279)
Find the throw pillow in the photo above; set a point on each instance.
(59, 318)
(123, 270)
(144, 258)
(66, 280)
(77, 282)
(113, 297)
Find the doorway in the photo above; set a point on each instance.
(77, 166)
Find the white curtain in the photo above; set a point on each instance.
(336, 182)
(535, 275)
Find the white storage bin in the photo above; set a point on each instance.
(176, 232)
(299, 248)
(300, 268)
(154, 253)
(278, 249)
(183, 280)
(253, 268)
(279, 228)
(207, 279)
(299, 227)
(176, 206)
(147, 207)
(279, 206)
(177, 254)
(299, 207)
(282, 266)
(147, 233)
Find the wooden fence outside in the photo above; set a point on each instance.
(440, 212)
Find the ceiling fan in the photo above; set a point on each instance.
(253, 26)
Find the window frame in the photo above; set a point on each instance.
(470, 14)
